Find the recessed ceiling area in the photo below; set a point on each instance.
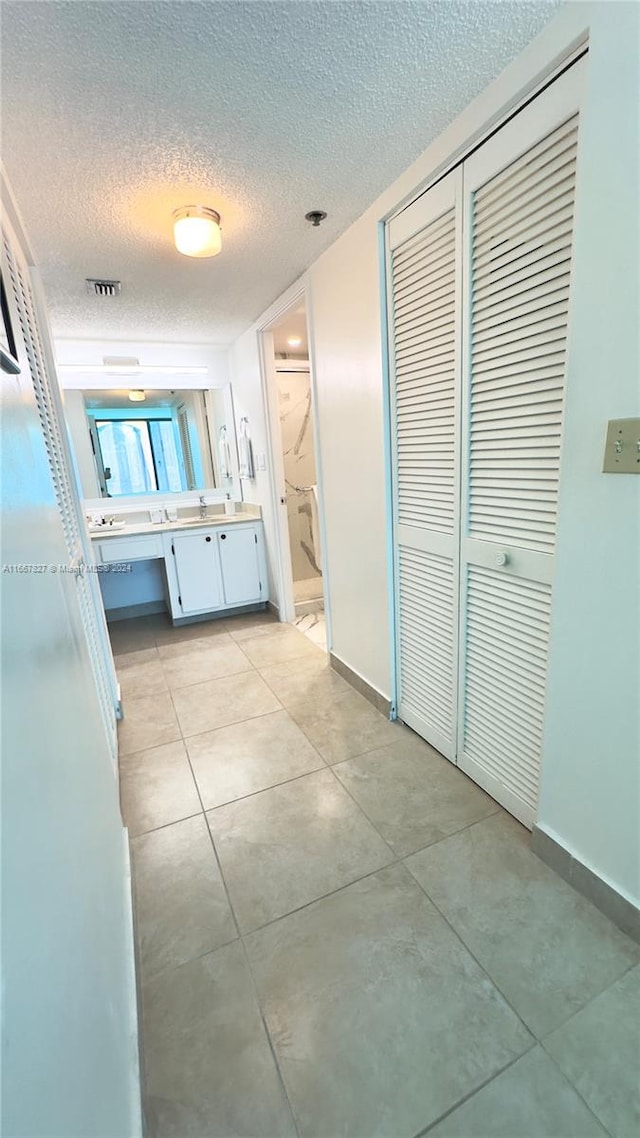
(292, 328)
(119, 398)
(115, 114)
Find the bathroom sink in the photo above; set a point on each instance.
(105, 527)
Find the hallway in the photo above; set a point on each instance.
(338, 933)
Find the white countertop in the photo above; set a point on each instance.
(132, 529)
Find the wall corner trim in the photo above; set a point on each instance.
(604, 896)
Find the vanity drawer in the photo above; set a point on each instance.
(130, 549)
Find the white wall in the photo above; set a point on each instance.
(76, 417)
(69, 1061)
(247, 401)
(589, 790)
(214, 358)
(591, 769)
(344, 315)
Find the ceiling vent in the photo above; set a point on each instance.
(103, 288)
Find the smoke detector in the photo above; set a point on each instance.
(103, 287)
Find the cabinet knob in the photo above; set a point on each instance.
(208, 537)
(501, 559)
(223, 537)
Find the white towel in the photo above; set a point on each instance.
(245, 450)
(224, 454)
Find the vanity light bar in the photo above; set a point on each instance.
(148, 369)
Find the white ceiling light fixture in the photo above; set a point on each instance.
(294, 341)
(196, 231)
(137, 396)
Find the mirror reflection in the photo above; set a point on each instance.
(129, 442)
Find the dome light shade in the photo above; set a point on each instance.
(196, 231)
(137, 396)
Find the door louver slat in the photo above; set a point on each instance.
(517, 370)
(425, 347)
(50, 421)
(496, 724)
(426, 637)
(479, 339)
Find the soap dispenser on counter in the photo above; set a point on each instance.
(229, 506)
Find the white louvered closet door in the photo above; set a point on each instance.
(50, 412)
(519, 191)
(424, 287)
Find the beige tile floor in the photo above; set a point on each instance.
(339, 935)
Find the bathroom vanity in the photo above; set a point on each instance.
(210, 565)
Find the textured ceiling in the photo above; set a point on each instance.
(116, 113)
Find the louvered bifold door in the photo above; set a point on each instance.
(519, 191)
(80, 560)
(424, 291)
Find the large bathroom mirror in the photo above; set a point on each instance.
(140, 442)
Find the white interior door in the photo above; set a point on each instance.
(49, 405)
(519, 192)
(425, 248)
(479, 281)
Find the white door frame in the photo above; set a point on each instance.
(268, 370)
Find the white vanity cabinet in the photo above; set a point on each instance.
(214, 568)
(210, 567)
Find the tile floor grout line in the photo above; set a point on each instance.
(429, 845)
(539, 1038)
(364, 814)
(595, 996)
(233, 723)
(570, 1083)
(323, 896)
(243, 935)
(272, 1046)
(476, 1090)
(169, 968)
(266, 789)
(208, 827)
(454, 833)
(396, 860)
(470, 951)
(162, 826)
(210, 680)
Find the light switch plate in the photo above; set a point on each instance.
(622, 447)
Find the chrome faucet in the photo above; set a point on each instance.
(203, 508)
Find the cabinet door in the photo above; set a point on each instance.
(240, 566)
(198, 572)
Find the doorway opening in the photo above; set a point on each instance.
(292, 395)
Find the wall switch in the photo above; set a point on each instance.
(261, 461)
(622, 447)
